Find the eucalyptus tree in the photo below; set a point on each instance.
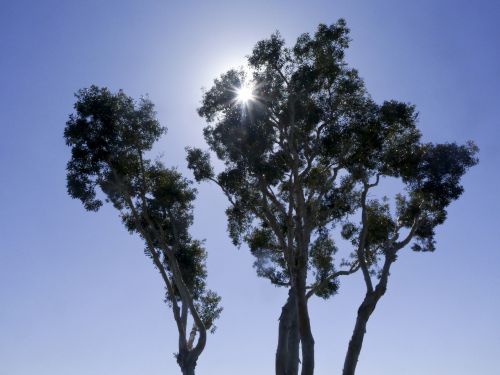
(110, 135)
(430, 177)
(302, 143)
(277, 130)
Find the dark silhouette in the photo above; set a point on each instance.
(431, 177)
(300, 155)
(109, 135)
(283, 169)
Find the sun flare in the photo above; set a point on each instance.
(244, 94)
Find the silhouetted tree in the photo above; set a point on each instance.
(109, 135)
(299, 158)
(431, 177)
(283, 168)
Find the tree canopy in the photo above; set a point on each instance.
(299, 160)
(305, 150)
(110, 136)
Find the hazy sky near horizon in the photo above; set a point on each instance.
(77, 294)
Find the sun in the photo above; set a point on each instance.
(244, 94)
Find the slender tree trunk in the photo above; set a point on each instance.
(354, 348)
(293, 344)
(307, 342)
(287, 353)
(306, 336)
(365, 310)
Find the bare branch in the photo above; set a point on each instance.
(399, 245)
(278, 70)
(362, 241)
(377, 179)
(157, 262)
(334, 275)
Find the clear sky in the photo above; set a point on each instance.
(77, 294)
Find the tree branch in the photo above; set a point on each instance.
(399, 245)
(334, 275)
(362, 241)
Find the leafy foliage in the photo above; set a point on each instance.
(300, 154)
(104, 136)
(109, 135)
(322, 252)
(281, 142)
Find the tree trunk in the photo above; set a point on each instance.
(354, 348)
(287, 353)
(365, 310)
(188, 369)
(306, 336)
(293, 344)
(187, 362)
(307, 343)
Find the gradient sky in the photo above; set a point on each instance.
(77, 294)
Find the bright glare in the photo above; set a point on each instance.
(244, 94)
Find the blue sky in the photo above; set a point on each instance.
(77, 295)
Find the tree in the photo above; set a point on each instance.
(431, 178)
(109, 136)
(283, 170)
(300, 154)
